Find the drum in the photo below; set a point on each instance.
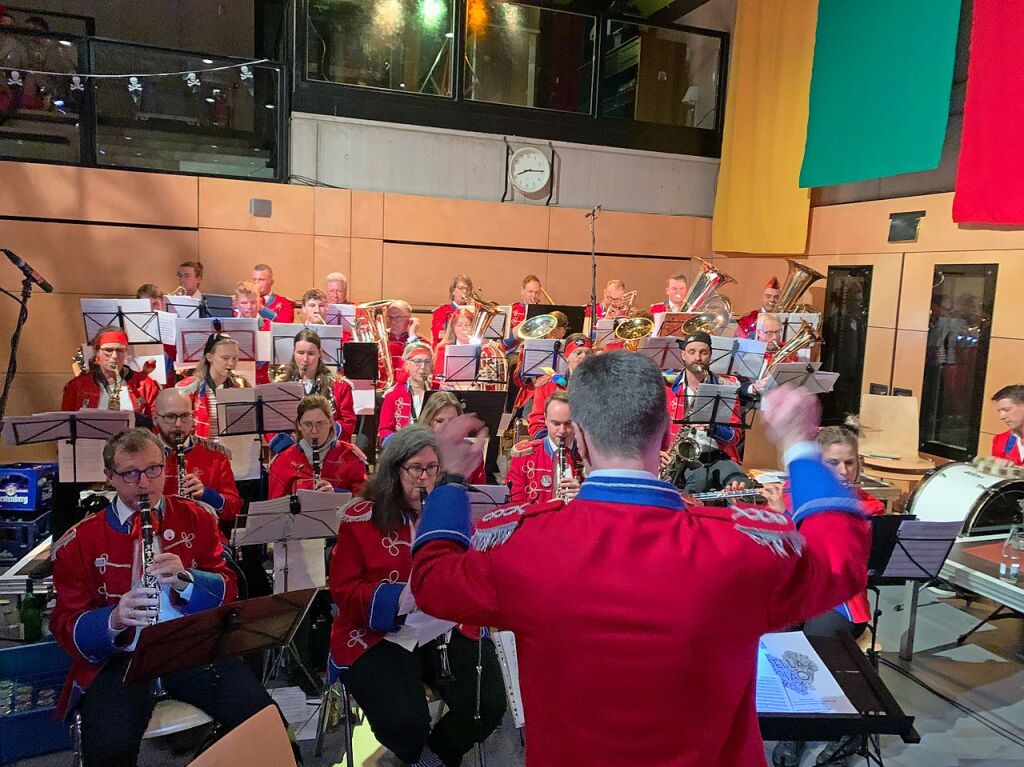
(985, 503)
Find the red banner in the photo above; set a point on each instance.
(990, 175)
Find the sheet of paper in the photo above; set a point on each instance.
(745, 355)
(670, 324)
(921, 548)
(192, 334)
(302, 716)
(167, 322)
(484, 499)
(713, 403)
(606, 332)
(460, 362)
(793, 321)
(81, 461)
(508, 659)
(663, 352)
(541, 354)
(343, 315)
(299, 565)
(264, 345)
(245, 455)
(99, 313)
(497, 328)
(140, 354)
(140, 321)
(185, 307)
(791, 678)
(364, 397)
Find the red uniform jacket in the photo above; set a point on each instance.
(396, 345)
(283, 308)
(517, 319)
(535, 420)
(214, 471)
(1006, 445)
(726, 437)
(600, 311)
(439, 321)
(661, 306)
(343, 466)
(83, 391)
(644, 584)
(746, 327)
(200, 394)
(531, 471)
(395, 412)
(341, 399)
(97, 561)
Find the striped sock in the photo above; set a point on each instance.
(428, 759)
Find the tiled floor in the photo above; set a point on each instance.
(984, 675)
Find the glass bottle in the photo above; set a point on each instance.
(31, 614)
(1009, 560)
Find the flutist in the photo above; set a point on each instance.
(101, 605)
(549, 467)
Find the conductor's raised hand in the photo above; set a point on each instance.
(457, 455)
(791, 415)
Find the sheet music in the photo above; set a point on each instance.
(245, 454)
(192, 334)
(140, 321)
(167, 324)
(341, 314)
(218, 305)
(815, 381)
(185, 307)
(52, 426)
(238, 409)
(793, 321)
(747, 359)
(305, 562)
(670, 324)
(921, 548)
(792, 678)
(662, 351)
(139, 355)
(540, 354)
(497, 328)
(283, 340)
(264, 345)
(707, 397)
(606, 332)
(364, 397)
(99, 313)
(460, 362)
(81, 461)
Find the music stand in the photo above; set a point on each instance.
(68, 428)
(573, 313)
(741, 357)
(263, 409)
(664, 351)
(185, 307)
(360, 362)
(343, 315)
(670, 324)
(707, 405)
(487, 405)
(498, 328)
(231, 630)
(192, 334)
(133, 315)
(536, 355)
(461, 363)
(215, 305)
(282, 335)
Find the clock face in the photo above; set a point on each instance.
(529, 171)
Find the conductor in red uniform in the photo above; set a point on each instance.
(641, 580)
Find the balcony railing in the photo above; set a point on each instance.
(72, 100)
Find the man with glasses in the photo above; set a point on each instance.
(403, 329)
(109, 383)
(401, 406)
(336, 288)
(208, 474)
(531, 465)
(459, 292)
(101, 606)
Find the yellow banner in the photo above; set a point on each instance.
(760, 207)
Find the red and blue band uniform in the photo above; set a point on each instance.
(396, 411)
(369, 569)
(518, 318)
(85, 390)
(213, 469)
(1008, 446)
(342, 401)
(291, 470)
(96, 562)
(277, 308)
(727, 437)
(396, 345)
(746, 326)
(642, 580)
(531, 471)
(439, 321)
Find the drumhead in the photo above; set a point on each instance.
(950, 493)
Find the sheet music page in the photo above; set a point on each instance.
(822, 382)
(330, 341)
(192, 334)
(706, 399)
(662, 351)
(749, 356)
(793, 373)
(921, 548)
(167, 322)
(540, 354)
(140, 354)
(606, 332)
(273, 506)
(305, 563)
(670, 324)
(460, 362)
(314, 501)
(280, 404)
(496, 328)
(793, 321)
(236, 412)
(99, 313)
(283, 339)
(185, 307)
(343, 315)
(483, 499)
(792, 678)
(41, 427)
(245, 454)
(364, 397)
(102, 424)
(81, 463)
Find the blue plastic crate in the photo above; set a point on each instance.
(27, 487)
(19, 534)
(33, 731)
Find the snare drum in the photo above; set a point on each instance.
(985, 503)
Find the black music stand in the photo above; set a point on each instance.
(464, 366)
(231, 630)
(215, 305)
(359, 361)
(487, 405)
(270, 410)
(574, 314)
(141, 327)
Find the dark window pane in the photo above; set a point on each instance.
(528, 57)
(952, 394)
(844, 331)
(660, 75)
(402, 45)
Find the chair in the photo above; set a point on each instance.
(890, 428)
(335, 700)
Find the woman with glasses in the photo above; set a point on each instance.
(460, 292)
(109, 384)
(307, 366)
(402, 404)
(370, 567)
(442, 407)
(341, 465)
(215, 371)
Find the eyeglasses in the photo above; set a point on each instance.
(416, 471)
(309, 426)
(132, 476)
(113, 352)
(173, 418)
(426, 362)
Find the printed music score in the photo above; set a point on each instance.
(793, 679)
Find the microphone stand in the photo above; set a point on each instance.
(12, 365)
(591, 216)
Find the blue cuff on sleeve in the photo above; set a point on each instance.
(815, 488)
(268, 314)
(384, 607)
(445, 517)
(212, 498)
(280, 442)
(208, 592)
(386, 439)
(723, 433)
(92, 635)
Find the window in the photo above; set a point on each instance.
(952, 394)
(528, 57)
(660, 75)
(402, 45)
(845, 331)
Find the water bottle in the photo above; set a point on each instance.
(1009, 561)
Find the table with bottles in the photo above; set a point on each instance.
(989, 566)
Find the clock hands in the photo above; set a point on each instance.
(529, 170)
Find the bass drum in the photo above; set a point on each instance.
(986, 504)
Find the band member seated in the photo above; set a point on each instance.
(319, 461)
(249, 304)
(577, 348)
(370, 570)
(747, 324)
(402, 404)
(336, 288)
(459, 333)
(403, 329)
(840, 450)
(276, 308)
(531, 292)
(611, 306)
(716, 443)
(532, 463)
(622, 566)
(314, 307)
(1009, 446)
(441, 408)
(459, 291)
(307, 366)
(101, 605)
(769, 331)
(215, 371)
(207, 473)
(155, 295)
(109, 384)
(675, 292)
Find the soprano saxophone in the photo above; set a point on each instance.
(561, 469)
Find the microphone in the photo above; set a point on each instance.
(27, 270)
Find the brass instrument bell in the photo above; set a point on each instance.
(634, 330)
(540, 326)
(798, 281)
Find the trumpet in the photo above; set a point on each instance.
(179, 457)
(146, 526)
(547, 296)
(620, 307)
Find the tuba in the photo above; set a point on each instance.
(803, 338)
(714, 317)
(705, 286)
(798, 281)
(372, 327)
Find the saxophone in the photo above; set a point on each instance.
(179, 457)
(684, 453)
(146, 525)
(114, 401)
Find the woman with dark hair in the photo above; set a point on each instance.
(341, 465)
(307, 366)
(382, 667)
(442, 407)
(215, 371)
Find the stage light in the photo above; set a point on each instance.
(431, 11)
(476, 17)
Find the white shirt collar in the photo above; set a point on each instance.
(124, 511)
(624, 473)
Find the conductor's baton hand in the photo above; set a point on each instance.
(457, 455)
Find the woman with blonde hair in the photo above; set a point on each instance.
(440, 408)
(215, 371)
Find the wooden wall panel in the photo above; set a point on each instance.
(53, 331)
(367, 273)
(908, 370)
(702, 238)
(751, 275)
(36, 393)
(332, 254)
(1005, 367)
(97, 260)
(224, 204)
(368, 214)
(465, 222)
(885, 282)
(878, 357)
(634, 233)
(90, 194)
(985, 442)
(332, 212)
(229, 256)
(568, 279)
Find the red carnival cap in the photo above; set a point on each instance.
(773, 284)
(576, 341)
(109, 337)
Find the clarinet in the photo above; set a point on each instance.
(179, 457)
(445, 674)
(561, 469)
(317, 463)
(146, 525)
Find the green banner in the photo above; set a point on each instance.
(880, 88)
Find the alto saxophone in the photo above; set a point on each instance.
(685, 451)
(149, 581)
(114, 401)
(179, 457)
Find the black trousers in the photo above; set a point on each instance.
(831, 623)
(387, 683)
(115, 715)
(713, 475)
